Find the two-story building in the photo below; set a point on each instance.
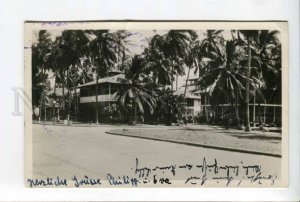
(107, 87)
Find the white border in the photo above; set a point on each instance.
(12, 17)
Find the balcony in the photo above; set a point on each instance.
(101, 98)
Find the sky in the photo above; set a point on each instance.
(138, 41)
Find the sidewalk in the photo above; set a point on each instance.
(255, 142)
(113, 125)
(189, 127)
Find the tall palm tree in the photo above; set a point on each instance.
(40, 56)
(192, 59)
(266, 54)
(225, 75)
(175, 46)
(134, 94)
(249, 35)
(65, 56)
(122, 50)
(103, 50)
(260, 45)
(209, 49)
(157, 63)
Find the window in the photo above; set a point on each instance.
(189, 102)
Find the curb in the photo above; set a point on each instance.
(199, 145)
(101, 125)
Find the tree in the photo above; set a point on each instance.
(170, 106)
(191, 60)
(122, 42)
(249, 35)
(157, 63)
(103, 54)
(40, 55)
(209, 49)
(67, 51)
(260, 44)
(134, 97)
(173, 46)
(225, 74)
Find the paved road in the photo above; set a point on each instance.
(68, 151)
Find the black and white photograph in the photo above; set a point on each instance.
(156, 104)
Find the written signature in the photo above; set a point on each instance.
(188, 174)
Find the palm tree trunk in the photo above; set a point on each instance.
(54, 94)
(274, 108)
(76, 96)
(63, 96)
(247, 128)
(185, 88)
(254, 109)
(205, 107)
(176, 82)
(75, 103)
(41, 105)
(69, 97)
(45, 112)
(237, 111)
(97, 75)
(186, 82)
(42, 98)
(259, 112)
(172, 86)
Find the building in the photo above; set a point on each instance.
(263, 109)
(107, 87)
(192, 102)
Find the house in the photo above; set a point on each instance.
(107, 87)
(265, 107)
(192, 102)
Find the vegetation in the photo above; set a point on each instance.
(245, 65)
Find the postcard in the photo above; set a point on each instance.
(139, 104)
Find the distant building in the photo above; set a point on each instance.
(266, 109)
(192, 102)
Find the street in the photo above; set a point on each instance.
(88, 151)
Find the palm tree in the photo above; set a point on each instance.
(80, 41)
(249, 35)
(175, 46)
(40, 56)
(207, 50)
(224, 74)
(104, 55)
(65, 56)
(122, 50)
(192, 59)
(170, 106)
(260, 44)
(134, 95)
(157, 63)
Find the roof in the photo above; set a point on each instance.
(203, 90)
(193, 79)
(120, 78)
(58, 91)
(188, 94)
(115, 71)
